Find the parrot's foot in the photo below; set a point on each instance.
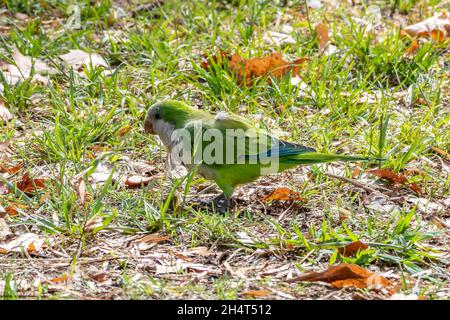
(221, 203)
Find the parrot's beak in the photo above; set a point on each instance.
(148, 128)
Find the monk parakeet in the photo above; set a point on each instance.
(226, 148)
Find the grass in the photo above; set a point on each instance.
(366, 98)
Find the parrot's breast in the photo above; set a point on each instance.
(165, 132)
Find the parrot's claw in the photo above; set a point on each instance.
(221, 203)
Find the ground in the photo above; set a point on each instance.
(89, 231)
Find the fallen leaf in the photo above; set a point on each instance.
(246, 71)
(137, 181)
(396, 178)
(152, 238)
(256, 293)
(322, 36)
(78, 59)
(346, 275)
(62, 278)
(12, 207)
(389, 175)
(436, 27)
(28, 241)
(99, 277)
(352, 248)
(124, 130)
(284, 194)
(29, 185)
(416, 188)
(24, 65)
(412, 49)
(11, 169)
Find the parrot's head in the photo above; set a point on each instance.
(166, 116)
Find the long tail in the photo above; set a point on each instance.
(315, 157)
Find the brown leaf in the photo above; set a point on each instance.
(436, 28)
(352, 248)
(285, 194)
(346, 275)
(124, 130)
(152, 238)
(137, 181)
(78, 58)
(416, 188)
(256, 293)
(11, 209)
(412, 49)
(29, 185)
(11, 169)
(62, 278)
(99, 277)
(322, 36)
(397, 178)
(27, 241)
(389, 175)
(246, 71)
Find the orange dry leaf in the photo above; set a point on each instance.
(389, 175)
(283, 193)
(124, 130)
(397, 178)
(10, 169)
(322, 36)
(11, 209)
(137, 181)
(60, 279)
(352, 248)
(246, 71)
(29, 185)
(256, 293)
(411, 51)
(436, 27)
(29, 242)
(346, 275)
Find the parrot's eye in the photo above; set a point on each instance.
(157, 116)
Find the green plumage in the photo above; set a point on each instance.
(247, 162)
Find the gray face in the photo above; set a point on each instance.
(153, 116)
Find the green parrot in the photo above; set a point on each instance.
(226, 148)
